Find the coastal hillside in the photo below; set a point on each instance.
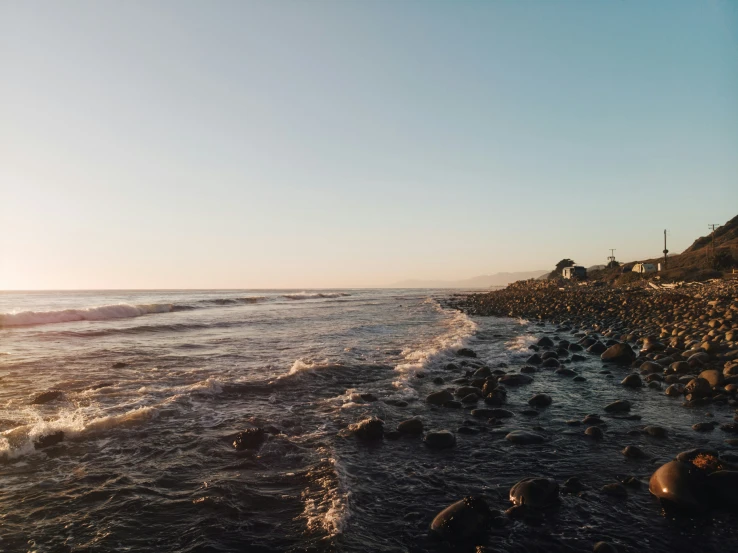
(482, 281)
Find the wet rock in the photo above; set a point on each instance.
(604, 547)
(468, 430)
(523, 437)
(466, 352)
(49, 440)
(440, 439)
(410, 426)
(464, 521)
(592, 419)
(650, 367)
(250, 438)
(577, 358)
(528, 370)
(550, 355)
(634, 452)
(467, 390)
(579, 379)
(453, 404)
(369, 397)
(698, 387)
(730, 427)
(438, 380)
(723, 485)
(534, 359)
(594, 432)
(598, 348)
(632, 381)
(46, 397)
(714, 378)
(551, 363)
(563, 371)
(619, 406)
(655, 431)
(535, 493)
(675, 390)
(540, 400)
(679, 484)
(618, 353)
(545, 342)
(573, 486)
(439, 398)
(120, 365)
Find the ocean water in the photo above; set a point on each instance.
(155, 384)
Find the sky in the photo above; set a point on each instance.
(304, 144)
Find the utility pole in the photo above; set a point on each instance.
(665, 250)
(611, 259)
(712, 227)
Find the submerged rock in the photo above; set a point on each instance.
(540, 400)
(439, 398)
(249, 439)
(463, 521)
(619, 353)
(411, 426)
(49, 440)
(466, 352)
(536, 493)
(368, 429)
(46, 397)
(619, 406)
(440, 439)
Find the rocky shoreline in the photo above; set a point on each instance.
(683, 343)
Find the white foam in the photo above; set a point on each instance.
(328, 510)
(314, 295)
(99, 313)
(520, 343)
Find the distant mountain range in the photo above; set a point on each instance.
(483, 281)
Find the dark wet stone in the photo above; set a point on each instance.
(704, 426)
(369, 397)
(250, 438)
(551, 363)
(523, 437)
(597, 348)
(463, 521)
(563, 371)
(46, 397)
(579, 379)
(440, 439)
(466, 352)
(618, 353)
(534, 359)
(594, 432)
(655, 431)
(468, 430)
(632, 381)
(410, 426)
(620, 406)
(604, 547)
(616, 489)
(528, 370)
(634, 452)
(119, 365)
(540, 400)
(545, 342)
(393, 435)
(529, 413)
(574, 422)
(730, 427)
(470, 399)
(535, 493)
(453, 404)
(49, 440)
(550, 355)
(592, 419)
(438, 380)
(573, 486)
(724, 487)
(439, 398)
(576, 358)
(452, 367)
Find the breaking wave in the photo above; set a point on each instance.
(314, 295)
(100, 313)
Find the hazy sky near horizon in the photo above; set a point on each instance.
(180, 144)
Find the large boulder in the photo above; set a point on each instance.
(619, 353)
(536, 493)
(713, 377)
(597, 348)
(249, 439)
(545, 342)
(698, 387)
(410, 426)
(463, 521)
(681, 485)
(632, 381)
(540, 400)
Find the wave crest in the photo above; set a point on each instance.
(99, 313)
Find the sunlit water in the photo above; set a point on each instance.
(147, 463)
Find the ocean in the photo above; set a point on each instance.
(153, 385)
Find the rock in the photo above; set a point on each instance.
(120, 365)
(540, 400)
(634, 452)
(604, 547)
(675, 390)
(482, 372)
(597, 348)
(410, 426)
(453, 404)
(523, 437)
(594, 432)
(250, 438)
(573, 485)
(528, 370)
(655, 431)
(563, 371)
(579, 379)
(536, 493)
(592, 419)
(698, 387)
(649, 367)
(534, 359)
(396, 402)
(551, 363)
(704, 426)
(369, 397)
(545, 342)
(439, 398)
(46, 397)
(49, 440)
(620, 406)
(466, 352)
(550, 355)
(723, 485)
(463, 521)
(464, 391)
(577, 358)
(679, 484)
(632, 381)
(714, 378)
(440, 439)
(438, 380)
(515, 379)
(619, 353)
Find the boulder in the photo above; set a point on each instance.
(604, 547)
(464, 521)
(466, 352)
(598, 348)
(536, 493)
(523, 437)
(439, 398)
(634, 452)
(545, 342)
(410, 426)
(551, 363)
(713, 377)
(619, 353)
(698, 387)
(632, 381)
(540, 400)
(620, 406)
(679, 484)
(46, 397)
(49, 440)
(534, 359)
(655, 431)
(594, 432)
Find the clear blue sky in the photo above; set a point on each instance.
(333, 143)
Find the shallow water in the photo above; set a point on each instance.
(147, 463)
